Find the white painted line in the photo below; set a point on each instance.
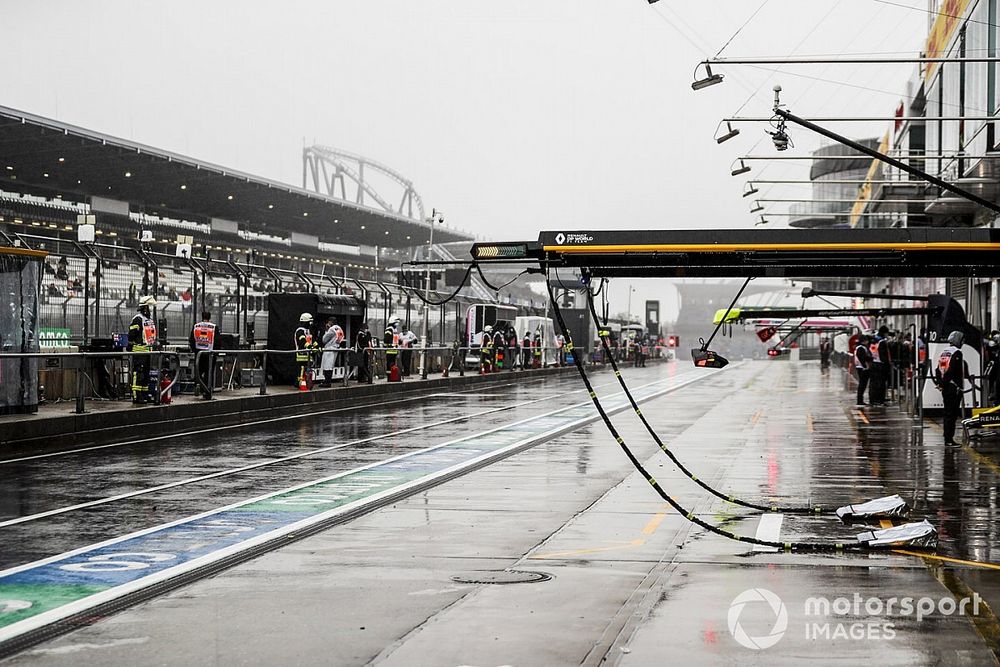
(261, 464)
(769, 529)
(394, 401)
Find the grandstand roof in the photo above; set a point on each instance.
(47, 158)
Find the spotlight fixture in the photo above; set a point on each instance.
(751, 191)
(763, 220)
(779, 136)
(757, 209)
(743, 168)
(728, 135)
(709, 80)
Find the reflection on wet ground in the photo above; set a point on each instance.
(634, 583)
(355, 437)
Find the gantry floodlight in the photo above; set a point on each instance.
(728, 135)
(757, 208)
(709, 80)
(751, 191)
(742, 169)
(762, 221)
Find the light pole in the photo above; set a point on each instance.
(630, 291)
(436, 217)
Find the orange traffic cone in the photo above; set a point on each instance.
(302, 384)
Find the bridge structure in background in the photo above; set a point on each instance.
(327, 171)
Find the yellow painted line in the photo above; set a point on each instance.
(654, 523)
(648, 529)
(747, 247)
(583, 552)
(864, 417)
(980, 458)
(887, 523)
(809, 422)
(971, 451)
(948, 559)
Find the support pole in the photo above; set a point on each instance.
(882, 157)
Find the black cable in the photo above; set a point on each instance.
(813, 547)
(673, 457)
(451, 296)
(487, 282)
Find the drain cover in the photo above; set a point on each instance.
(501, 577)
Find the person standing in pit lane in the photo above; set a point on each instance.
(486, 350)
(390, 339)
(499, 349)
(304, 348)
(879, 361)
(333, 339)
(202, 339)
(825, 348)
(526, 350)
(406, 342)
(363, 347)
(862, 366)
(141, 338)
(950, 377)
(513, 347)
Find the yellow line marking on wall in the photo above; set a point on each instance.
(809, 422)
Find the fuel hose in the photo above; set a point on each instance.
(802, 547)
(729, 498)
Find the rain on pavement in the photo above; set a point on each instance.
(629, 580)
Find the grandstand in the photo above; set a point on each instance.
(249, 237)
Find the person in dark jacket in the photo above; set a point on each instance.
(142, 338)
(825, 348)
(950, 376)
(363, 347)
(862, 366)
(499, 349)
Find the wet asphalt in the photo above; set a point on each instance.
(632, 583)
(350, 437)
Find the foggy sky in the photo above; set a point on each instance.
(510, 116)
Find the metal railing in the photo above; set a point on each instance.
(373, 364)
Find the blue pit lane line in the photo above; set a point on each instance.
(38, 594)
